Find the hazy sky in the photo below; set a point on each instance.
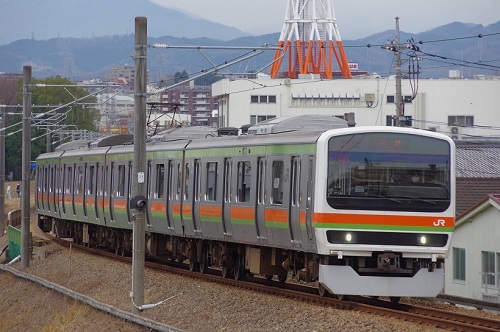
(355, 18)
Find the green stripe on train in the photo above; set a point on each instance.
(385, 227)
(252, 150)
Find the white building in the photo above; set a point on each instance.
(457, 107)
(473, 267)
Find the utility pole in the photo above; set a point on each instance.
(138, 202)
(26, 161)
(399, 99)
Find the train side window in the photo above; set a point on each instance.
(244, 181)
(211, 184)
(277, 185)
(121, 181)
(160, 180)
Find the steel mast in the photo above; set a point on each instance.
(311, 39)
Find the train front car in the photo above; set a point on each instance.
(385, 214)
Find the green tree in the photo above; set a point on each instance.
(46, 114)
(179, 77)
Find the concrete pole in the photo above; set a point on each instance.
(26, 161)
(139, 165)
(397, 69)
(2, 170)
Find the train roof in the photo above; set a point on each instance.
(281, 130)
(304, 122)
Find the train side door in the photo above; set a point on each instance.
(53, 186)
(295, 201)
(309, 198)
(226, 197)
(174, 208)
(260, 202)
(170, 191)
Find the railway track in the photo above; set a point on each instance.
(423, 315)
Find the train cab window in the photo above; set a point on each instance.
(388, 172)
(244, 181)
(211, 184)
(277, 184)
(121, 181)
(160, 181)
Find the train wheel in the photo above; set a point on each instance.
(394, 299)
(282, 278)
(268, 276)
(193, 265)
(323, 292)
(226, 272)
(204, 260)
(238, 268)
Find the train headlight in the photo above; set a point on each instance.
(348, 237)
(341, 237)
(422, 240)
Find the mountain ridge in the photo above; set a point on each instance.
(93, 57)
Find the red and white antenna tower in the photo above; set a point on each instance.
(307, 36)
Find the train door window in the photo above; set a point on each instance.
(277, 184)
(244, 181)
(196, 180)
(91, 180)
(121, 181)
(211, 184)
(261, 180)
(160, 181)
(69, 178)
(105, 180)
(227, 180)
(295, 181)
(80, 179)
(170, 178)
(186, 182)
(45, 180)
(178, 182)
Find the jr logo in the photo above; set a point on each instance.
(439, 222)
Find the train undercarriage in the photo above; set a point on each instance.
(234, 260)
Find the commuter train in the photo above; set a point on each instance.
(362, 210)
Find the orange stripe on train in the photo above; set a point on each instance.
(366, 219)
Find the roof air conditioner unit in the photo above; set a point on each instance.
(454, 130)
